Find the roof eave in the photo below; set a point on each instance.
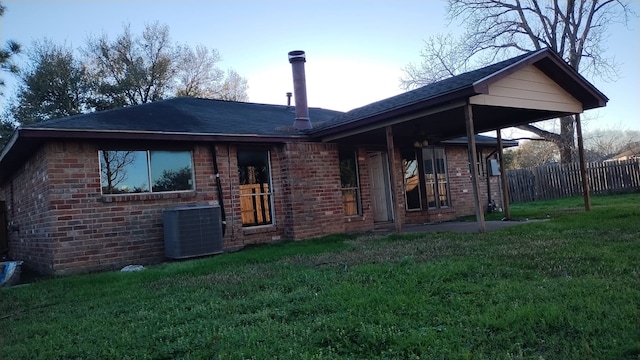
(46, 133)
(379, 118)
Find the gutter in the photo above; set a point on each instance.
(153, 135)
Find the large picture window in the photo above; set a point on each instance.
(124, 172)
(254, 173)
(349, 183)
(426, 182)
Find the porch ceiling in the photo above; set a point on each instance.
(444, 125)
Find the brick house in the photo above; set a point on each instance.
(87, 192)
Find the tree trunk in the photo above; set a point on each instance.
(564, 141)
(567, 143)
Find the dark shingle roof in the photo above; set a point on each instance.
(191, 115)
(421, 94)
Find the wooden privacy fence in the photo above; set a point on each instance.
(563, 180)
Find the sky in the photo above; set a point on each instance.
(356, 50)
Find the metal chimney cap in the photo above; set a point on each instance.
(296, 55)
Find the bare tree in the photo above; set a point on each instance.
(132, 69)
(604, 144)
(234, 87)
(495, 29)
(136, 69)
(197, 72)
(443, 56)
(113, 166)
(535, 152)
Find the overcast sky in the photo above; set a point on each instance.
(356, 50)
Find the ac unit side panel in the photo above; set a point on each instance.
(171, 238)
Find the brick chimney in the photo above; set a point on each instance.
(297, 60)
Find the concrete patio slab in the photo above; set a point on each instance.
(464, 226)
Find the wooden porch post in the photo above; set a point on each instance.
(392, 175)
(583, 168)
(503, 179)
(468, 117)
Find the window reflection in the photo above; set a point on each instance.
(171, 170)
(123, 171)
(411, 181)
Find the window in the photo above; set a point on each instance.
(435, 177)
(426, 184)
(411, 181)
(254, 173)
(349, 183)
(124, 172)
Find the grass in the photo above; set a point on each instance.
(568, 288)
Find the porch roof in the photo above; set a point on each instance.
(435, 112)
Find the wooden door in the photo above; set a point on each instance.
(380, 194)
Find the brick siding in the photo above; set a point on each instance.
(28, 213)
(63, 223)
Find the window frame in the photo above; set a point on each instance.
(358, 201)
(269, 193)
(149, 176)
(438, 182)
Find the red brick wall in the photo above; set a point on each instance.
(66, 225)
(92, 231)
(28, 211)
(306, 193)
(363, 222)
(311, 176)
(460, 187)
(237, 235)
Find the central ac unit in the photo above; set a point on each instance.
(191, 231)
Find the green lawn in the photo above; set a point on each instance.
(568, 288)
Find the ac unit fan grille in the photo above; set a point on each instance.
(191, 231)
